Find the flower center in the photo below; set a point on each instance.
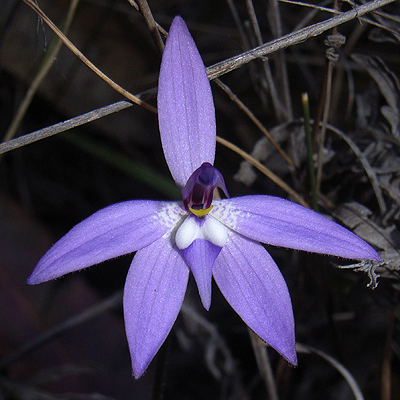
(198, 192)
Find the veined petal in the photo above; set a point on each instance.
(253, 285)
(200, 240)
(153, 295)
(186, 111)
(280, 222)
(200, 257)
(116, 230)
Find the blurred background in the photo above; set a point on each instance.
(49, 186)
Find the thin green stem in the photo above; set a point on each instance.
(124, 164)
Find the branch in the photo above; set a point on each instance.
(213, 71)
(293, 38)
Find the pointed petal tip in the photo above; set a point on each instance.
(206, 300)
(254, 286)
(200, 257)
(286, 348)
(291, 357)
(355, 249)
(294, 363)
(153, 294)
(40, 274)
(178, 22)
(287, 351)
(139, 367)
(374, 255)
(116, 230)
(32, 280)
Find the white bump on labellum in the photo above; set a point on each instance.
(211, 230)
(187, 233)
(215, 232)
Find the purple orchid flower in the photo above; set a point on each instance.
(210, 238)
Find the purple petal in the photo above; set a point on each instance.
(200, 257)
(116, 230)
(280, 222)
(186, 111)
(153, 295)
(253, 285)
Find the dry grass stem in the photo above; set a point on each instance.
(213, 71)
(366, 165)
(256, 121)
(267, 172)
(151, 24)
(45, 68)
(89, 64)
(264, 365)
(302, 348)
(283, 113)
(293, 38)
(281, 70)
(62, 126)
(111, 302)
(314, 6)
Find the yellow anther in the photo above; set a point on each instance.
(202, 212)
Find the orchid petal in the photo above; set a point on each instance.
(253, 285)
(185, 106)
(116, 230)
(200, 257)
(280, 222)
(153, 295)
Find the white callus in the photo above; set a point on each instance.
(193, 228)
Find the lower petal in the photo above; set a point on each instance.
(154, 291)
(253, 285)
(200, 256)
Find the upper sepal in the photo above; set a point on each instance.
(186, 111)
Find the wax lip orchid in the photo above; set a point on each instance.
(211, 238)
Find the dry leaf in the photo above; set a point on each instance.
(389, 87)
(357, 217)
